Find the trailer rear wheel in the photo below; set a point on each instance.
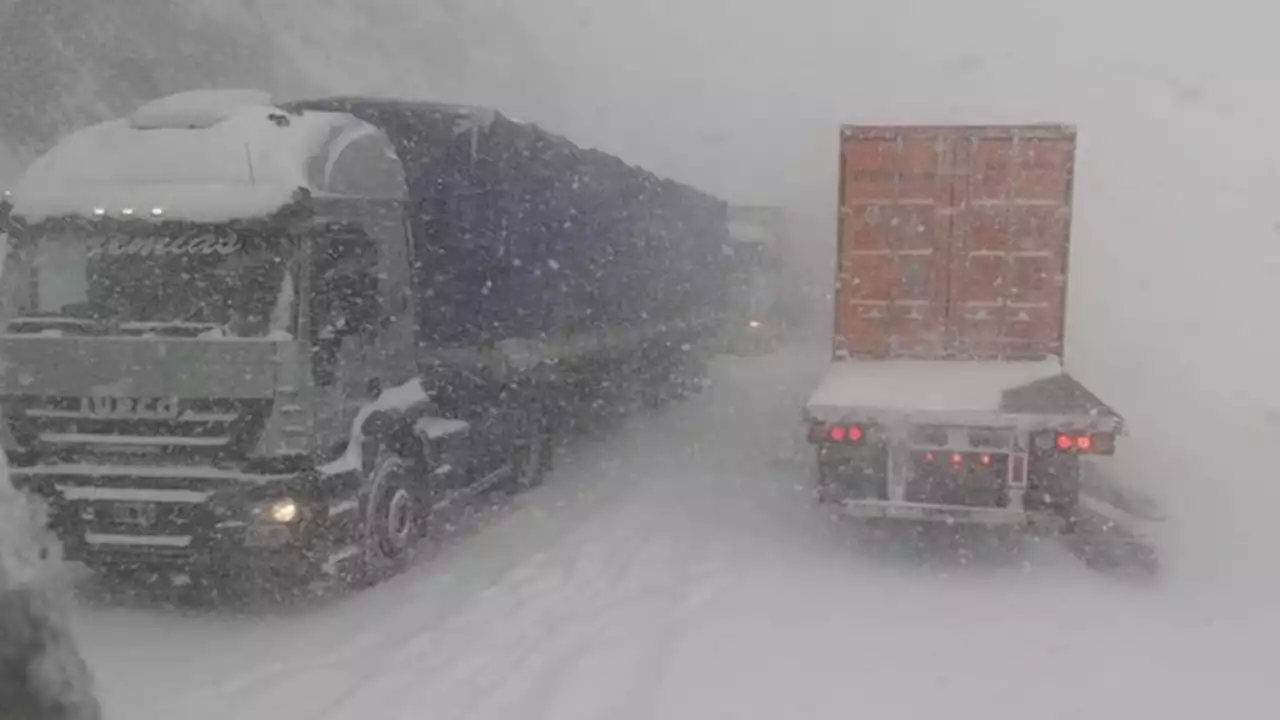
(1053, 483)
(532, 458)
(850, 478)
(691, 377)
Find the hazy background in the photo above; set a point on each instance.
(1176, 244)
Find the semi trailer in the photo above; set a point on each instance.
(946, 398)
(271, 341)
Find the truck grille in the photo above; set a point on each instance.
(132, 514)
(69, 427)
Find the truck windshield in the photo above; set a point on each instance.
(751, 287)
(194, 285)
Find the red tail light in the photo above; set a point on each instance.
(1095, 444)
(836, 433)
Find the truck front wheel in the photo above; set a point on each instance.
(395, 518)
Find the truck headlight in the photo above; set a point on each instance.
(283, 511)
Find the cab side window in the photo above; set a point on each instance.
(345, 298)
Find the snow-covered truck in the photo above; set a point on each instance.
(946, 398)
(269, 341)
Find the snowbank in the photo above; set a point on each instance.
(248, 164)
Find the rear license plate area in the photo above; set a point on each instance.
(949, 477)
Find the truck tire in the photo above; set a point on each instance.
(395, 518)
(693, 374)
(532, 456)
(851, 478)
(1053, 483)
(826, 491)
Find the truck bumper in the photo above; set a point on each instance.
(206, 556)
(950, 514)
(203, 534)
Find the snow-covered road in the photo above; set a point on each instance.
(677, 569)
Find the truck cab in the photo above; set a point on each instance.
(201, 301)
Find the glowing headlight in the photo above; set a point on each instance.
(283, 511)
(753, 323)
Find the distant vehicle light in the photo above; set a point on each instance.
(753, 323)
(838, 433)
(99, 212)
(157, 212)
(127, 212)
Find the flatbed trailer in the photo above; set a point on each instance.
(974, 441)
(946, 399)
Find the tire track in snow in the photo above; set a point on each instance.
(529, 587)
(601, 563)
(570, 498)
(553, 606)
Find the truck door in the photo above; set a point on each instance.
(345, 314)
(953, 241)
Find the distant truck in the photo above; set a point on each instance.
(754, 318)
(946, 399)
(269, 341)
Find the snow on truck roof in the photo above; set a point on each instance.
(940, 386)
(203, 156)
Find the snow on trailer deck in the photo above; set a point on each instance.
(960, 388)
(926, 385)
